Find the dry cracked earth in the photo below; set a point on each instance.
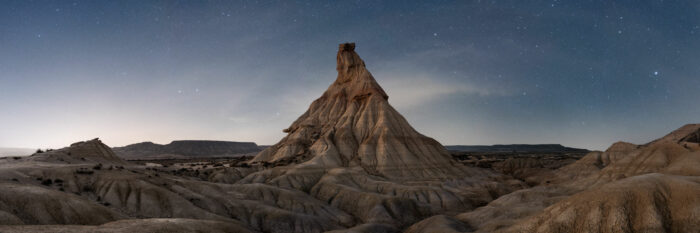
(352, 163)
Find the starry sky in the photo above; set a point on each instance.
(580, 73)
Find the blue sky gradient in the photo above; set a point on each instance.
(579, 73)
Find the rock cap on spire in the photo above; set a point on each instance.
(347, 58)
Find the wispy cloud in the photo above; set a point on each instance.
(407, 91)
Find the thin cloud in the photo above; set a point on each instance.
(408, 91)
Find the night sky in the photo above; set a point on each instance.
(579, 73)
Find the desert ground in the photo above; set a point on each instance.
(352, 163)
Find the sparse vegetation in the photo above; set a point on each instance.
(87, 189)
(84, 171)
(47, 182)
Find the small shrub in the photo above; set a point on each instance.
(39, 151)
(87, 189)
(15, 179)
(58, 181)
(84, 171)
(47, 182)
(97, 167)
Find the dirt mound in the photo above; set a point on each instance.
(645, 203)
(92, 151)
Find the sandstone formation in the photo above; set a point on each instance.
(645, 203)
(627, 188)
(92, 151)
(354, 151)
(352, 124)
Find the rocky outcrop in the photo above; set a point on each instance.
(688, 134)
(352, 124)
(645, 203)
(87, 152)
(599, 193)
(593, 162)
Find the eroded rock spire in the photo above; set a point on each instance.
(352, 124)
